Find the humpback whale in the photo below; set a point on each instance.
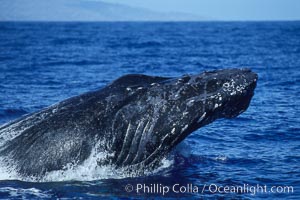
(135, 121)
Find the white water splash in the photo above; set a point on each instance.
(7, 173)
(89, 170)
(221, 158)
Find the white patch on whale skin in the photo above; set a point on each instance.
(226, 85)
(155, 84)
(54, 110)
(201, 118)
(184, 128)
(233, 93)
(173, 130)
(128, 89)
(233, 88)
(185, 113)
(190, 102)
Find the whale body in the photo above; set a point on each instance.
(134, 122)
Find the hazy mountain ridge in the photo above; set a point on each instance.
(82, 10)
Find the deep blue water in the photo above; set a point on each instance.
(43, 63)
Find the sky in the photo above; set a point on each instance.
(224, 9)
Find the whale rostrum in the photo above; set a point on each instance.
(134, 121)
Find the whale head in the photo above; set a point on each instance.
(220, 93)
(162, 112)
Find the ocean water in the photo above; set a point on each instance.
(44, 63)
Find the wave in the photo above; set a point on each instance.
(22, 193)
(137, 45)
(73, 63)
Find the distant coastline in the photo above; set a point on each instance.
(64, 10)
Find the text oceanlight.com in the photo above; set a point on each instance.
(207, 188)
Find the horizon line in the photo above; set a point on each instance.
(153, 21)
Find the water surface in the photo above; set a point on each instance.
(44, 63)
